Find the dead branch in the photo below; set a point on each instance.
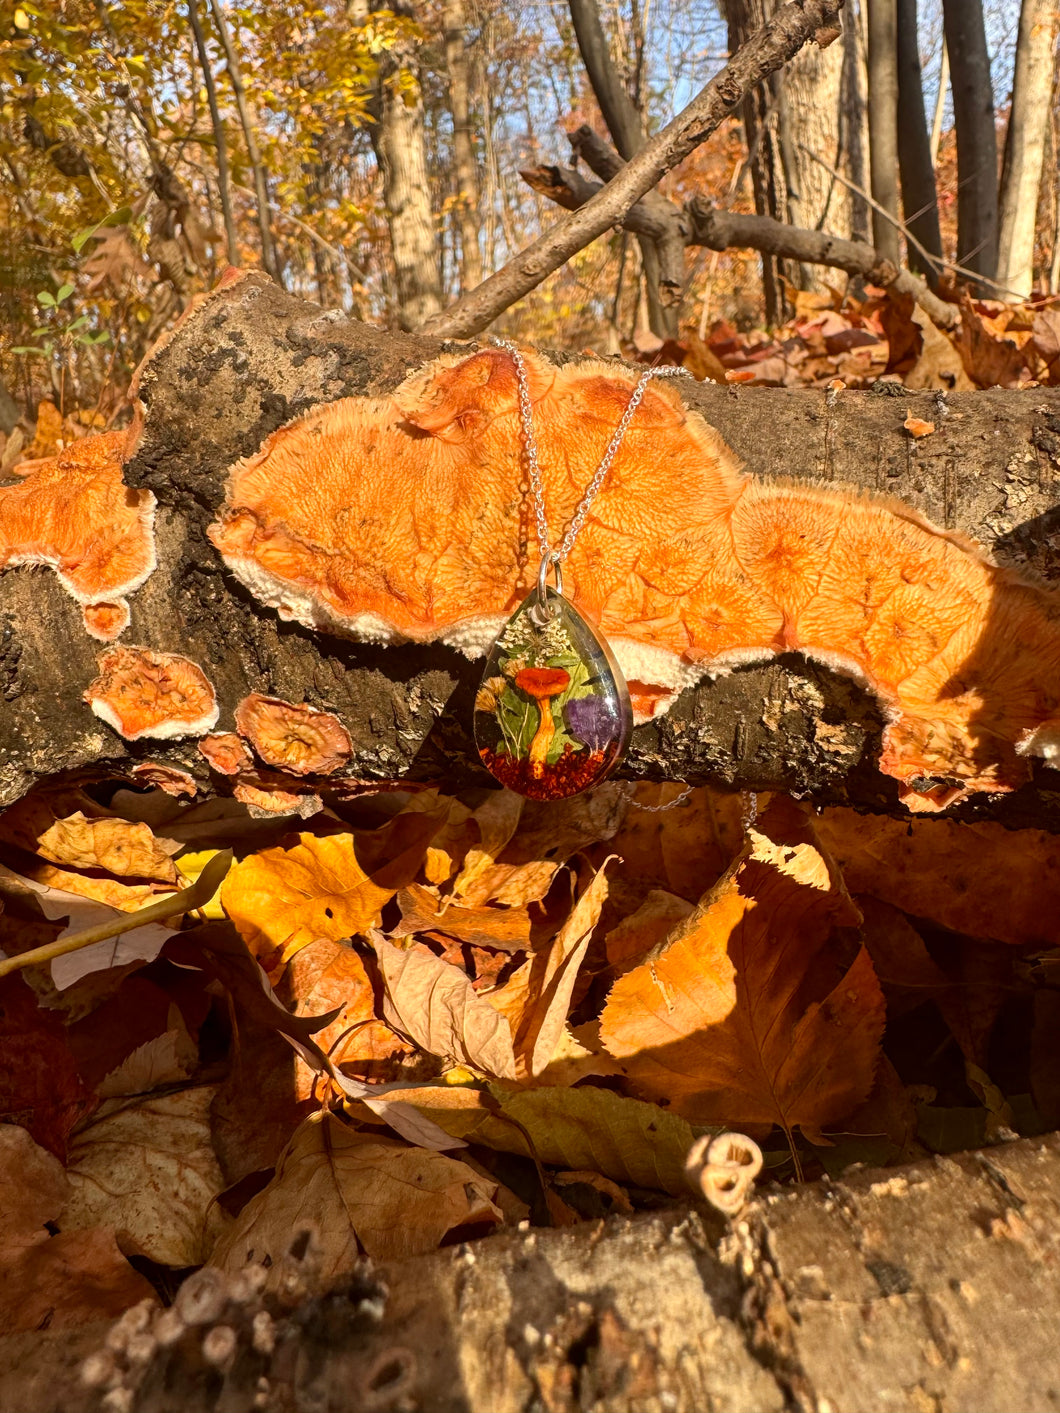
(774, 44)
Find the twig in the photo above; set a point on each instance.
(934, 260)
(766, 51)
(200, 892)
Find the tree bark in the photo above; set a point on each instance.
(400, 145)
(261, 193)
(252, 358)
(854, 126)
(624, 123)
(883, 122)
(880, 1289)
(223, 187)
(1025, 144)
(973, 112)
(465, 168)
(699, 222)
(919, 198)
(791, 28)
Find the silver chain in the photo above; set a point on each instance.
(526, 412)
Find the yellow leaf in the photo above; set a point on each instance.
(584, 1128)
(735, 1019)
(190, 866)
(21, 20)
(332, 886)
(357, 1192)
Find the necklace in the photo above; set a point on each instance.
(553, 715)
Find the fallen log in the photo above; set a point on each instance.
(251, 358)
(930, 1286)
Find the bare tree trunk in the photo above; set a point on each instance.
(399, 141)
(454, 18)
(940, 105)
(854, 124)
(1025, 144)
(973, 111)
(268, 252)
(883, 122)
(223, 187)
(627, 130)
(919, 198)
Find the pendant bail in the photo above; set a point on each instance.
(542, 612)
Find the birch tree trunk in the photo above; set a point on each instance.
(1025, 144)
(973, 111)
(883, 123)
(465, 170)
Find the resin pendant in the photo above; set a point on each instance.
(552, 716)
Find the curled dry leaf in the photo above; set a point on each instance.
(625, 1139)
(114, 846)
(359, 1193)
(147, 694)
(735, 1018)
(970, 877)
(503, 929)
(435, 1005)
(53, 1281)
(298, 738)
(149, 1170)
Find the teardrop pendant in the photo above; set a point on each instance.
(552, 716)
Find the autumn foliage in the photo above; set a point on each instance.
(421, 1016)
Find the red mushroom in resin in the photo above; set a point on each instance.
(542, 683)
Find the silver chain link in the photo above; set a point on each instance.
(526, 413)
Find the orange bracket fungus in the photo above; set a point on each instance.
(226, 753)
(74, 513)
(147, 694)
(406, 519)
(300, 739)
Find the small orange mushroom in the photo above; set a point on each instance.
(299, 738)
(142, 693)
(74, 513)
(542, 683)
(165, 777)
(226, 752)
(263, 802)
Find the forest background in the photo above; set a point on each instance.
(382, 161)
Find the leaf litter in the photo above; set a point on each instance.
(414, 1018)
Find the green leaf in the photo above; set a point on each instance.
(65, 291)
(29, 350)
(119, 217)
(46, 298)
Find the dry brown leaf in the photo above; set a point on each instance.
(40, 1087)
(978, 878)
(435, 1005)
(149, 1170)
(331, 886)
(994, 354)
(169, 1058)
(552, 978)
(324, 977)
(496, 820)
(503, 929)
(51, 1281)
(637, 934)
(358, 1193)
(939, 364)
(745, 1015)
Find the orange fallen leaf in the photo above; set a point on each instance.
(737, 1018)
(917, 427)
(976, 878)
(358, 1193)
(637, 934)
(331, 886)
(504, 929)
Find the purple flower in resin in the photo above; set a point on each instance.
(592, 720)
